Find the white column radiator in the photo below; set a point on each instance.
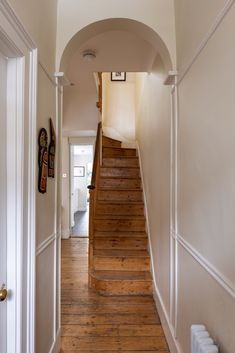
(201, 342)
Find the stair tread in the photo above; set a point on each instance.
(102, 188)
(121, 157)
(116, 202)
(121, 253)
(121, 148)
(119, 167)
(118, 216)
(114, 238)
(124, 202)
(120, 234)
(122, 275)
(130, 177)
(120, 177)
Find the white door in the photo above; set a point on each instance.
(3, 202)
(72, 190)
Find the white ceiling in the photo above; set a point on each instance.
(116, 50)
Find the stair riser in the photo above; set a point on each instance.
(110, 195)
(118, 152)
(122, 287)
(121, 263)
(121, 243)
(120, 162)
(124, 210)
(120, 183)
(120, 225)
(107, 142)
(120, 172)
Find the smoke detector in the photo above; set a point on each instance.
(89, 55)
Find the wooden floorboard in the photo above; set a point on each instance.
(93, 323)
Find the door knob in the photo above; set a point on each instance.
(3, 293)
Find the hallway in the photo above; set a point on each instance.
(93, 323)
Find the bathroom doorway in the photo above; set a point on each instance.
(81, 159)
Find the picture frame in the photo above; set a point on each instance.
(79, 171)
(118, 76)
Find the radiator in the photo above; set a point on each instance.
(201, 342)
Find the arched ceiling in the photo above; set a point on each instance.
(115, 51)
(120, 45)
(138, 29)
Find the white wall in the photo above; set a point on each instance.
(39, 20)
(206, 192)
(80, 111)
(118, 114)
(80, 183)
(153, 136)
(198, 233)
(65, 223)
(46, 227)
(75, 15)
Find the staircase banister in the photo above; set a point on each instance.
(96, 157)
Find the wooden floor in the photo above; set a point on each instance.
(93, 323)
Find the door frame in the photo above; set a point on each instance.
(71, 165)
(16, 44)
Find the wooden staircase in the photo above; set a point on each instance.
(119, 260)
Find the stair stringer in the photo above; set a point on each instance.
(161, 309)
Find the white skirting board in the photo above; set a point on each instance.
(65, 233)
(57, 344)
(167, 328)
(165, 321)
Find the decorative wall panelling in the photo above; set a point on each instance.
(177, 241)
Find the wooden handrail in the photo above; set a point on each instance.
(99, 103)
(93, 195)
(96, 157)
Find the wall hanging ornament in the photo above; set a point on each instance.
(51, 152)
(42, 161)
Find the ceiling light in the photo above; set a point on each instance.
(89, 55)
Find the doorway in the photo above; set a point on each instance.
(14, 206)
(3, 199)
(18, 83)
(81, 160)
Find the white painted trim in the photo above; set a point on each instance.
(165, 321)
(172, 205)
(22, 48)
(45, 244)
(16, 25)
(207, 37)
(224, 282)
(175, 185)
(144, 195)
(15, 154)
(31, 249)
(56, 344)
(65, 233)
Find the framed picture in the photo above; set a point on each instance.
(118, 76)
(79, 171)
